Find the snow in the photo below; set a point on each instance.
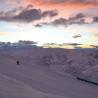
(91, 74)
(12, 88)
(47, 73)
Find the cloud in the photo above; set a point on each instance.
(61, 2)
(34, 13)
(62, 5)
(65, 9)
(28, 14)
(49, 13)
(88, 20)
(78, 19)
(95, 19)
(71, 1)
(38, 25)
(60, 21)
(4, 33)
(94, 30)
(96, 35)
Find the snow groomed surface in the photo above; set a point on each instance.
(32, 80)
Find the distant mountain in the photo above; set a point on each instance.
(68, 45)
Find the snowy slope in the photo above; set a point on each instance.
(34, 78)
(12, 88)
(90, 74)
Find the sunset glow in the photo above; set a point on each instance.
(49, 21)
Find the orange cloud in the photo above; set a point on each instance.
(65, 8)
(96, 35)
(94, 30)
(56, 4)
(87, 46)
(4, 33)
(50, 4)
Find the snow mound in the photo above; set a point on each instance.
(90, 74)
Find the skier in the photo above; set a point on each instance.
(18, 63)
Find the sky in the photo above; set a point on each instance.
(49, 21)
